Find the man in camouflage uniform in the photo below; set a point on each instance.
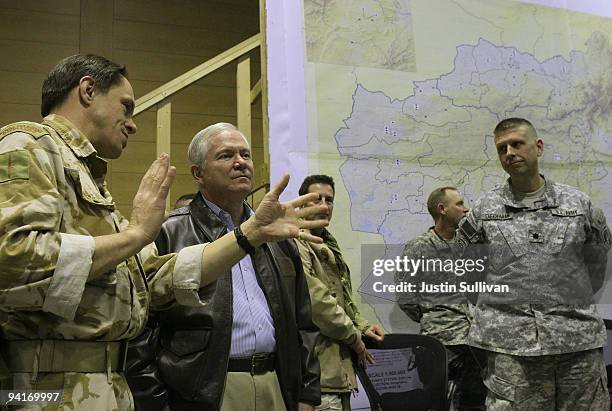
(448, 318)
(76, 278)
(333, 308)
(548, 243)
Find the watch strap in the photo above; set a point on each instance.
(243, 242)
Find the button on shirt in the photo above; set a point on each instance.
(252, 326)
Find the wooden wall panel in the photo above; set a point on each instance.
(219, 15)
(55, 6)
(32, 57)
(139, 155)
(157, 40)
(185, 126)
(215, 101)
(125, 186)
(39, 27)
(11, 112)
(18, 87)
(34, 36)
(190, 41)
(97, 27)
(163, 67)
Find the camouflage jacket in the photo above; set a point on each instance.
(449, 323)
(552, 257)
(54, 201)
(333, 310)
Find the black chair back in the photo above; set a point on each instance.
(410, 374)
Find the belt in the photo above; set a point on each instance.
(34, 356)
(257, 364)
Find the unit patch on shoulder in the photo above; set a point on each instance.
(14, 165)
(33, 129)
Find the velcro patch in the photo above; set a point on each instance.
(467, 229)
(14, 165)
(564, 212)
(601, 227)
(496, 216)
(33, 129)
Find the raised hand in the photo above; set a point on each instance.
(276, 221)
(149, 206)
(147, 217)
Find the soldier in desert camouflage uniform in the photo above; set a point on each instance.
(448, 318)
(548, 243)
(76, 279)
(334, 309)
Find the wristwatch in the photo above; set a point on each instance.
(243, 242)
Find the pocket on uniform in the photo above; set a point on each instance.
(86, 188)
(515, 242)
(186, 342)
(501, 388)
(604, 378)
(567, 232)
(510, 243)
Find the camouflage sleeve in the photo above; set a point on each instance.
(41, 267)
(327, 314)
(360, 322)
(596, 249)
(174, 278)
(408, 302)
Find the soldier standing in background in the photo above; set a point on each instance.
(333, 308)
(448, 320)
(76, 279)
(548, 243)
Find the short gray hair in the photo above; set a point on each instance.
(198, 148)
(436, 197)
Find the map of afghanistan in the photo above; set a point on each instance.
(397, 151)
(368, 33)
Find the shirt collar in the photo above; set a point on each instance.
(438, 242)
(550, 198)
(225, 216)
(79, 144)
(76, 140)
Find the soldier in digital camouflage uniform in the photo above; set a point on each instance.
(76, 279)
(445, 318)
(334, 310)
(548, 243)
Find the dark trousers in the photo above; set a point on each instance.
(465, 370)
